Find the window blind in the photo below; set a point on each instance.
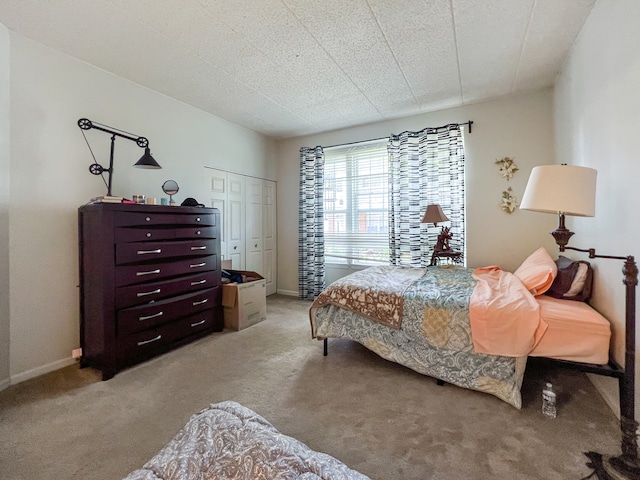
(356, 192)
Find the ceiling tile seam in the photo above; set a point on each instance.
(218, 67)
(455, 42)
(524, 43)
(395, 58)
(334, 60)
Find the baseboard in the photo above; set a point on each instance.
(607, 387)
(290, 293)
(36, 372)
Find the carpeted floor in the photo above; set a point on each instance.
(382, 419)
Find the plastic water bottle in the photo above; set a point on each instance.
(548, 401)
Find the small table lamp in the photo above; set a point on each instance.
(435, 215)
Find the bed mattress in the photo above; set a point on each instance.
(575, 332)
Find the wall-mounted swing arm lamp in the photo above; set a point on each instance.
(146, 161)
(570, 190)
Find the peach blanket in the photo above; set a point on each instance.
(505, 317)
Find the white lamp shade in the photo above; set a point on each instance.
(564, 189)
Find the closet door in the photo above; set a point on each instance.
(218, 199)
(227, 195)
(269, 234)
(236, 221)
(254, 241)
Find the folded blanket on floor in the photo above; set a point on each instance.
(230, 441)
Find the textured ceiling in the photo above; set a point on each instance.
(296, 67)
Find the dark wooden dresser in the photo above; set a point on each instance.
(149, 281)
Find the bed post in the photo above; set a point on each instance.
(627, 463)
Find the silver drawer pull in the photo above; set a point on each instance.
(149, 341)
(148, 235)
(147, 219)
(145, 252)
(142, 294)
(197, 219)
(196, 265)
(200, 247)
(198, 283)
(159, 314)
(200, 302)
(198, 232)
(150, 272)
(198, 323)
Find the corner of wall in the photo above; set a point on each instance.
(5, 103)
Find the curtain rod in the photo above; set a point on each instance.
(469, 123)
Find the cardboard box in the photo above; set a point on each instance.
(244, 304)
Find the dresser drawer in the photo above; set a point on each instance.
(138, 294)
(133, 274)
(145, 342)
(132, 234)
(197, 232)
(143, 317)
(137, 252)
(139, 219)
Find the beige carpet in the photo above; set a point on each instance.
(378, 417)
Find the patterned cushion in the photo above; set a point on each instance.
(573, 281)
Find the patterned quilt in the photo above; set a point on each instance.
(434, 337)
(230, 441)
(376, 292)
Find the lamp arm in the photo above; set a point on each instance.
(86, 124)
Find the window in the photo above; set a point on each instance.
(356, 220)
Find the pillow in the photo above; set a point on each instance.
(573, 281)
(537, 272)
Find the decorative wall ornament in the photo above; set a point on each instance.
(507, 167)
(509, 202)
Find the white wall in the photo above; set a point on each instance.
(519, 127)
(49, 180)
(4, 207)
(597, 120)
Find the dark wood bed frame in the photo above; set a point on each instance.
(626, 464)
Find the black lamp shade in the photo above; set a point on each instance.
(147, 161)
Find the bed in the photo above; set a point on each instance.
(474, 328)
(230, 441)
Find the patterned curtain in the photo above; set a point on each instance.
(425, 167)
(311, 224)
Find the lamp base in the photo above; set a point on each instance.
(561, 234)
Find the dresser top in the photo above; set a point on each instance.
(143, 208)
